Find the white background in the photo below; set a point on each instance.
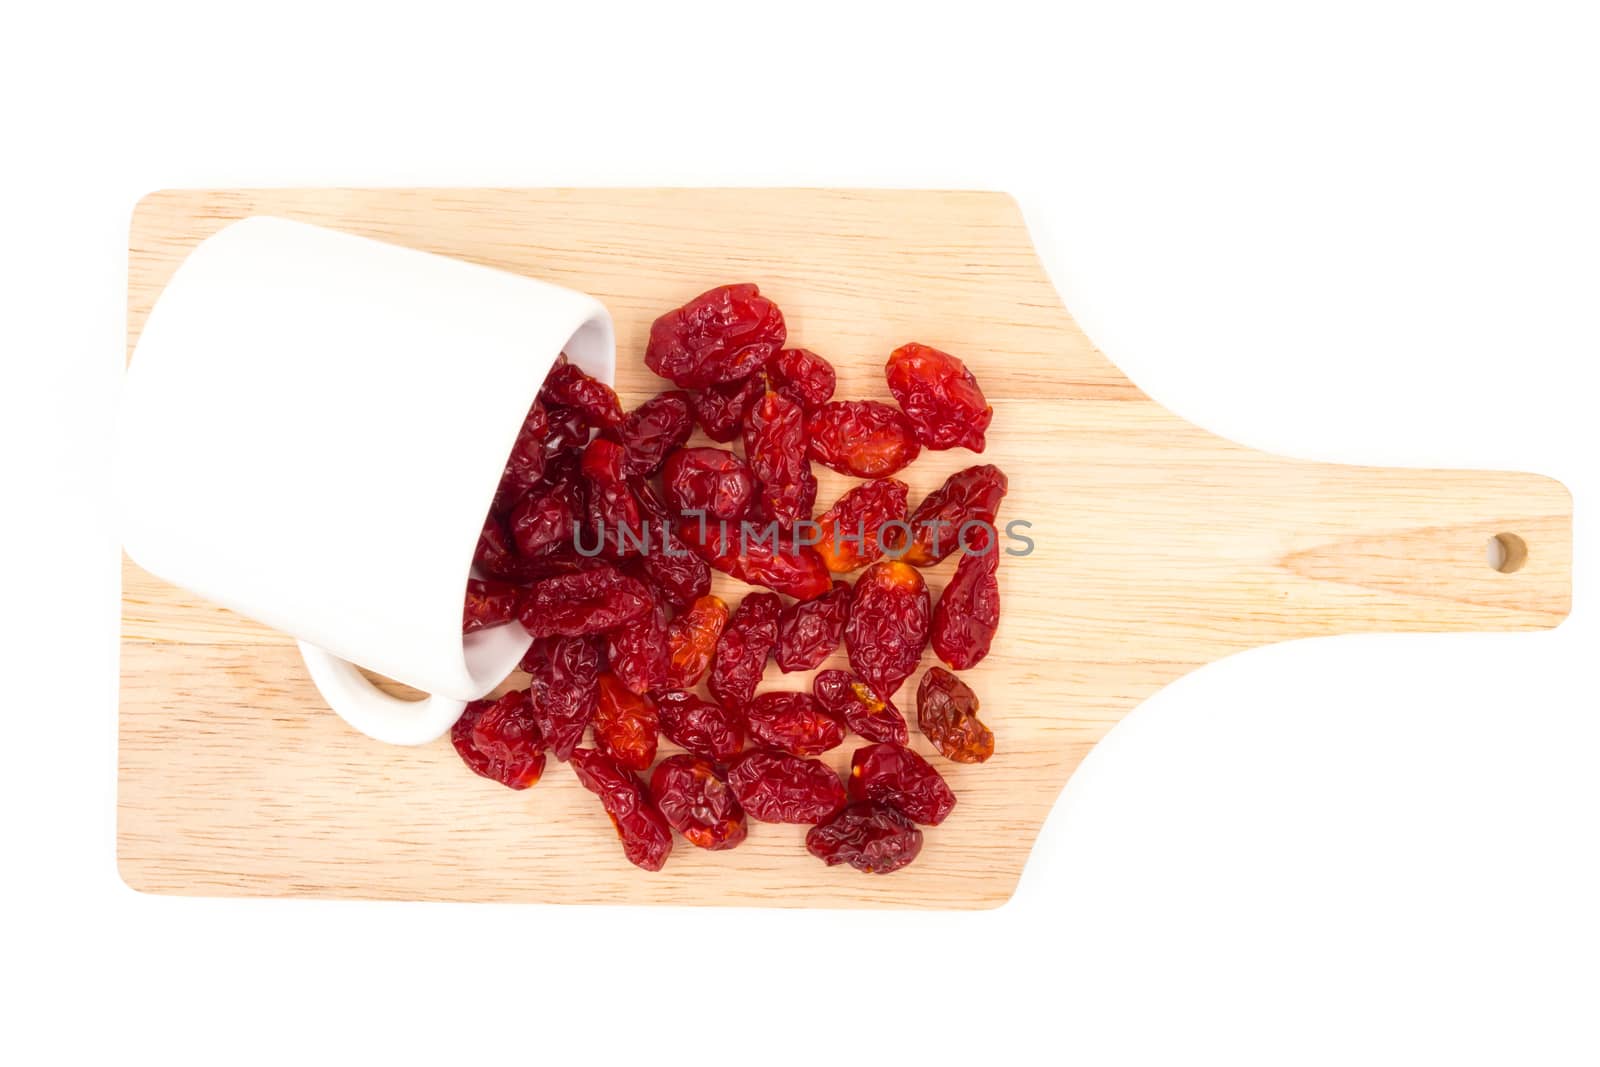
(1341, 231)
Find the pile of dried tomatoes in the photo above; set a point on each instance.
(601, 542)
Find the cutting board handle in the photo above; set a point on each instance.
(1388, 549)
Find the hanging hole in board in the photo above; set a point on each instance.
(1507, 552)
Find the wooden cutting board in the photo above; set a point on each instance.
(1159, 547)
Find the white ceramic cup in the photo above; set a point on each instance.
(312, 429)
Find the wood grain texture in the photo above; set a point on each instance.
(1160, 547)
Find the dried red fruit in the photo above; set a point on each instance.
(696, 802)
(497, 557)
(743, 648)
(774, 787)
(544, 517)
(691, 641)
(499, 739)
(588, 608)
(940, 397)
(863, 710)
(947, 714)
(969, 499)
(795, 723)
(488, 604)
(850, 528)
(566, 428)
(865, 438)
(896, 776)
(775, 450)
(713, 481)
(603, 461)
(803, 376)
(564, 689)
(797, 572)
(506, 496)
(625, 725)
(646, 837)
(868, 836)
(719, 409)
(568, 386)
(558, 560)
(968, 611)
(637, 650)
(565, 465)
(526, 462)
(707, 730)
(678, 573)
(588, 602)
(722, 335)
(653, 430)
(888, 625)
(809, 630)
(613, 513)
(651, 505)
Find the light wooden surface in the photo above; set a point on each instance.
(1160, 547)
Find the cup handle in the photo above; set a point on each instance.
(372, 711)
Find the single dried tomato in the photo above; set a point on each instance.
(613, 512)
(680, 575)
(774, 787)
(775, 450)
(722, 335)
(545, 516)
(625, 725)
(743, 648)
(637, 651)
(803, 376)
(968, 611)
(969, 499)
(566, 428)
(809, 630)
(719, 409)
(646, 837)
(870, 837)
(696, 802)
(707, 730)
(588, 602)
(888, 625)
(894, 775)
(713, 481)
(653, 430)
(940, 397)
(947, 714)
(769, 561)
(564, 689)
(568, 386)
(865, 438)
(603, 461)
(488, 604)
(691, 641)
(526, 463)
(863, 710)
(795, 723)
(849, 529)
(499, 739)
